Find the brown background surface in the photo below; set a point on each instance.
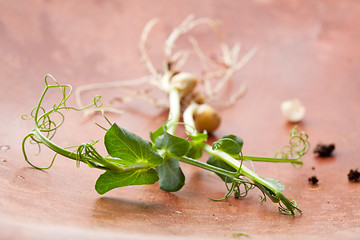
(307, 49)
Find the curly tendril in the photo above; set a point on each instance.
(45, 127)
(297, 147)
(87, 153)
(239, 186)
(289, 208)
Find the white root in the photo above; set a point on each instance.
(179, 59)
(116, 84)
(142, 46)
(109, 109)
(185, 26)
(239, 93)
(216, 73)
(144, 94)
(228, 73)
(232, 62)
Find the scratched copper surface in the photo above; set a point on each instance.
(306, 49)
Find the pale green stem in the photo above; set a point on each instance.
(266, 159)
(243, 170)
(106, 163)
(230, 175)
(189, 119)
(174, 111)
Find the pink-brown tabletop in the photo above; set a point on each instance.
(307, 50)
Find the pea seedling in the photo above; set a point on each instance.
(132, 160)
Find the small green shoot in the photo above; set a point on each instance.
(236, 235)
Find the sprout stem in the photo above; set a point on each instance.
(229, 174)
(189, 119)
(174, 111)
(243, 169)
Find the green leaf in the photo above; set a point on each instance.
(110, 180)
(154, 135)
(172, 178)
(228, 146)
(130, 148)
(197, 145)
(221, 164)
(195, 150)
(200, 137)
(235, 138)
(171, 144)
(276, 183)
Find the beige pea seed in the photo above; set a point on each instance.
(206, 118)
